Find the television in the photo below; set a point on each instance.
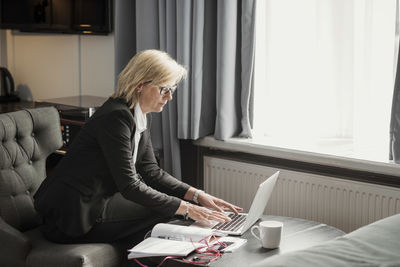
(57, 16)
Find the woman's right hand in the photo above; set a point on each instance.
(201, 214)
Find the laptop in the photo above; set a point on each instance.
(242, 222)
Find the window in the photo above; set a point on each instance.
(324, 75)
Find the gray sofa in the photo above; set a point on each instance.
(27, 138)
(376, 244)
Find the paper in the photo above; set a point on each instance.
(161, 247)
(181, 233)
(171, 240)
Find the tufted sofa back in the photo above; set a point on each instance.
(27, 137)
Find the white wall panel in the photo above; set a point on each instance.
(97, 62)
(58, 65)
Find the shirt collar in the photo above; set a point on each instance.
(140, 119)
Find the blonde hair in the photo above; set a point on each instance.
(148, 65)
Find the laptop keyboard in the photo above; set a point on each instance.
(234, 225)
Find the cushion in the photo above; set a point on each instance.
(376, 244)
(27, 137)
(14, 247)
(45, 253)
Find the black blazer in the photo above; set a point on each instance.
(97, 165)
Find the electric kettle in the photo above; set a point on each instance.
(7, 89)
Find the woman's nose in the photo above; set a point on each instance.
(168, 95)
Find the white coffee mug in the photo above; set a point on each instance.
(269, 233)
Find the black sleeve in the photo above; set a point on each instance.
(114, 135)
(156, 177)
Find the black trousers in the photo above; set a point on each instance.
(122, 221)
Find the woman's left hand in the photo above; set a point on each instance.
(211, 202)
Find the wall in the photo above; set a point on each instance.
(57, 65)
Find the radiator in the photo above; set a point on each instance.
(344, 204)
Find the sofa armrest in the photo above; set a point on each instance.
(15, 246)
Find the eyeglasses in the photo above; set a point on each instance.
(164, 90)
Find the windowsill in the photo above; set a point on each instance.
(251, 146)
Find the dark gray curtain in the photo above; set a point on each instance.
(394, 149)
(215, 41)
(394, 146)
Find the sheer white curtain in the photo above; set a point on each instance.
(324, 75)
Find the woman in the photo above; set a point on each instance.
(109, 187)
